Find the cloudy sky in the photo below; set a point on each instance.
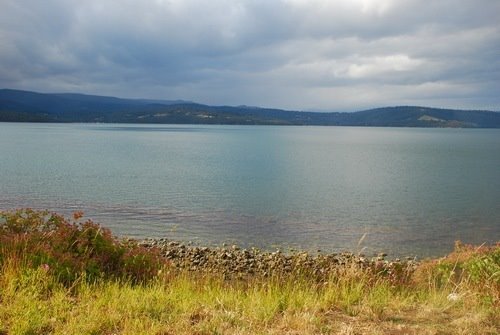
(337, 55)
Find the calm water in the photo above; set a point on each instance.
(411, 191)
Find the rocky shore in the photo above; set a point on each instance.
(235, 262)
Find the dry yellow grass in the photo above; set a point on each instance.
(459, 294)
(33, 302)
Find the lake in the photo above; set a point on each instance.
(407, 191)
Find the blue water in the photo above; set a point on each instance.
(411, 191)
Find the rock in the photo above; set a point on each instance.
(453, 297)
(234, 262)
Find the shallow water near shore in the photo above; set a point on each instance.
(406, 191)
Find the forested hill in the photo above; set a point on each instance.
(25, 106)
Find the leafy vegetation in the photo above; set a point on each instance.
(72, 249)
(61, 276)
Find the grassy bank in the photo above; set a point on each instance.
(61, 276)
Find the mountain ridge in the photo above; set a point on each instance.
(28, 106)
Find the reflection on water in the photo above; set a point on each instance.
(412, 191)
(146, 128)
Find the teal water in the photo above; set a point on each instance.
(411, 191)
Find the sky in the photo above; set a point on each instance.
(316, 55)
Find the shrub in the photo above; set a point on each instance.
(72, 248)
(468, 267)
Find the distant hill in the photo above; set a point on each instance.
(25, 106)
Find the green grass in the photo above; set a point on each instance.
(35, 298)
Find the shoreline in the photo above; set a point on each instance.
(86, 280)
(235, 262)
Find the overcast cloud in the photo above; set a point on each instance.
(294, 54)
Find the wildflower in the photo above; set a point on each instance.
(45, 267)
(77, 215)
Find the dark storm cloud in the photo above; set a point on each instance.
(332, 55)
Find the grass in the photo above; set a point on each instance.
(47, 291)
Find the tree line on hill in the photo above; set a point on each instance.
(26, 106)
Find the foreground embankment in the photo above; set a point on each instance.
(71, 276)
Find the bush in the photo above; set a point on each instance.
(467, 267)
(71, 248)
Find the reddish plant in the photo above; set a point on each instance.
(70, 249)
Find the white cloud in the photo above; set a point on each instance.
(382, 65)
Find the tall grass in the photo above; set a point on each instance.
(47, 289)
